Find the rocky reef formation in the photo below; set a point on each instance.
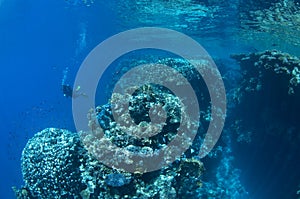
(59, 164)
(56, 165)
(267, 111)
(51, 158)
(265, 68)
(270, 91)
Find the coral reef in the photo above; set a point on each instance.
(59, 164)
(267, 111)
(49, 163)
(55, 165)
(226, 184)
(258, 67)
(269, 90)
(139, 106)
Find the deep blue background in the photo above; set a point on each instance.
(38, 39)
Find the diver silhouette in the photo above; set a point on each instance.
(67, 89)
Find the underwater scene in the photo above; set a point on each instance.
(150, 99)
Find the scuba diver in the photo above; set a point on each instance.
(67, 89)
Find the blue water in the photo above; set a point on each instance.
(40, 39)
